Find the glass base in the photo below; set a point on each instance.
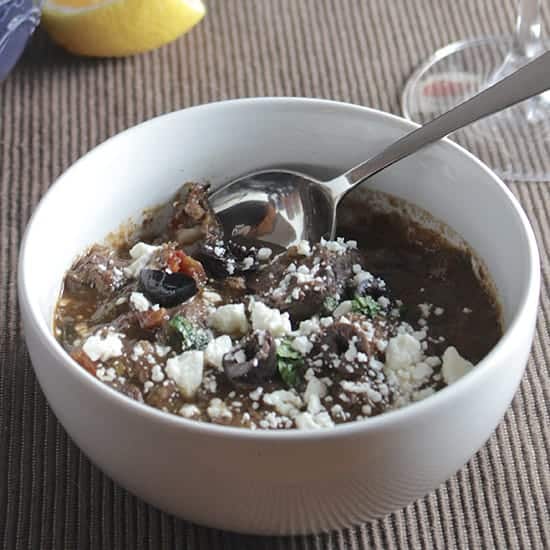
(515, 142)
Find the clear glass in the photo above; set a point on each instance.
(516, 140)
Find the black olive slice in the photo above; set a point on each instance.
(225, 258)
(166, 289)
(251, 362)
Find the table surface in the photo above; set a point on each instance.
(55, 107)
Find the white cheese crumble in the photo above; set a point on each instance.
(216, 349)
(302, 344)
(189, 411)
(106, 375)
(141, 253)
(309, 326)
(303, 248)
(343, 309)
(139, 301)
(162, 351)
(425, 309)
(186, 371)
(315, 391)
(265, 318)
(256, 394)
(285, 402)
(402, 352)
(211, 296)
(230, 318)
(264, 254)
(103, 348)
(454, 365)
(218, 410)
(156, 374)
(308, 421)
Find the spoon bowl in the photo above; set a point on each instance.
(278, 207)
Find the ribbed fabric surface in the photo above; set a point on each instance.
(55, 107)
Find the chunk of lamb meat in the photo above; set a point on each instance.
(351, 355)
(192, 218)
(99, 269)
(301, 285)
(346, 347)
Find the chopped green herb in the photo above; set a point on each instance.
(330, 303)
(192, 337)
(290, 363)
(366, 305)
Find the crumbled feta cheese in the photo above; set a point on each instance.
(338, 246)
(439, 311)
(216, 349)
(454, 365)
(264, 254)
(230, 318)
(272, 320)
(467, 310)
(308, 421)
(362, 276)
(211, 296)
(315, 391)
(218, 410)
(342, 309)
(186, 371)
(309, 326)
(302, 344)
(402, 352)
(303, 248)
(147, 386)
(141, 253)
(285, 402)
(433, 361)
(248, 262)
(139, 301)
(383, 302)
(189, 410)
(103, 348)
(362, 387)
(425, 310)
(156, 374)
(162, 351)
(240, 356)
(256, 394)
(422, 371)
(106, 375)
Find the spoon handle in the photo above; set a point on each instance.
(531, 80)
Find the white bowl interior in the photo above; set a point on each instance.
(217, 142)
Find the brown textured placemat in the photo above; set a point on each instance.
(54, 107)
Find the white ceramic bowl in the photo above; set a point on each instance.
(268, 482)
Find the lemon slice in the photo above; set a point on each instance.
(114, 28)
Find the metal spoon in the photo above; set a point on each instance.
(283, 207)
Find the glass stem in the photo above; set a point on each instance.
(526, 42)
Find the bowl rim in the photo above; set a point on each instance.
(31, 313)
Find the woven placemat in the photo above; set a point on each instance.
(54, 107)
